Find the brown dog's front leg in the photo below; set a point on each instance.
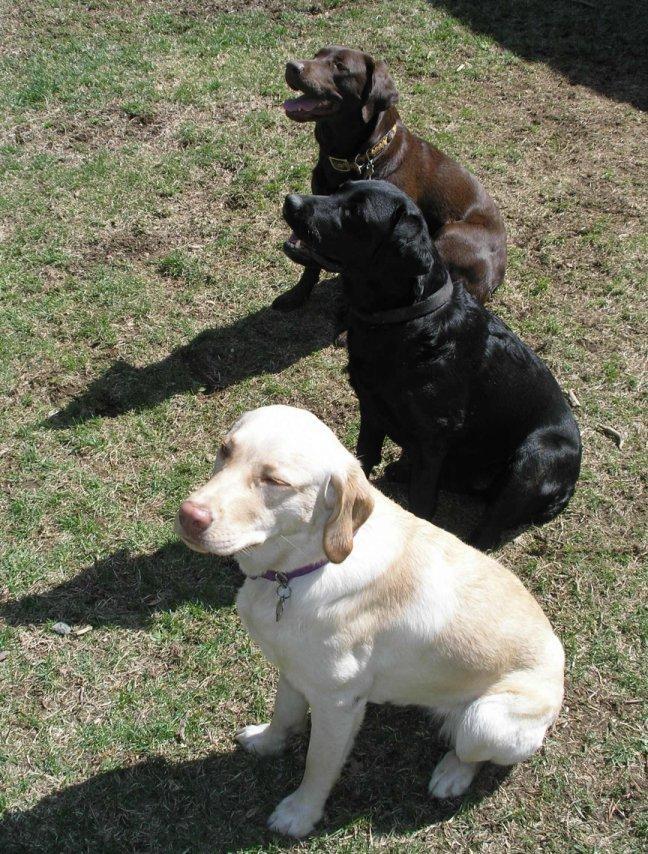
(297, 296)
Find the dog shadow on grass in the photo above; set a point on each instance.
(456, 512)
(126, 589)
(264, 342)
(599, 45)
(221, 802)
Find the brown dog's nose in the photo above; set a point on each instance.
(294, 69)
(194, 518)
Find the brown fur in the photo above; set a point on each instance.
(463, 219)
(353, 506)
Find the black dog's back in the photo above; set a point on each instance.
(521, 405)
(462, 382)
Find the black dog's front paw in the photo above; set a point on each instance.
(399, 471)
(292, 299)
(484, 540)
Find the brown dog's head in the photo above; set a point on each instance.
(338, 80)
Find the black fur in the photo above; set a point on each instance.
(471, 405)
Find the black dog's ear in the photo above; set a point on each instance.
(412, 240)
(380, 90)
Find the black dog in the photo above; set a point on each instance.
(472, 406)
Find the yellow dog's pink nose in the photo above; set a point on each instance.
(194, 518)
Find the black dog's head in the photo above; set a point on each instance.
(338, 80)
(370, 230)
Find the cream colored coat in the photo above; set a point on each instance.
(403, 612)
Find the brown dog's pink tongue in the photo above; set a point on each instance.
(303, 104)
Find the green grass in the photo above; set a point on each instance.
(143, 163)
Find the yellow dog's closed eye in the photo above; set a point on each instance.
(273, 480)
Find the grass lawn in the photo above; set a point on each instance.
(144, 160)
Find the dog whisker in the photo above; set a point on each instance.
(291, 544)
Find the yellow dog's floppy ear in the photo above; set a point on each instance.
(353, 506)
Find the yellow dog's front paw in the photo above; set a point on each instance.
(294, 817)
(257, 738)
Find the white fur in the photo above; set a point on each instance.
(451, 776)
(393, 622)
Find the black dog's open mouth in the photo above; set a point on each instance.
(300, 252)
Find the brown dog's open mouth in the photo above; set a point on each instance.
(300, 252)
(306, 108)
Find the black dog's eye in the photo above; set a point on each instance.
(350, 212)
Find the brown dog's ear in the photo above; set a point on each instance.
(381, 90)
(353, 506)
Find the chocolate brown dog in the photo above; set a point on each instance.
(351, 97)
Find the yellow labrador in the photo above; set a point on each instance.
(355, 600)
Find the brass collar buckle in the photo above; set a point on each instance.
(363, 164)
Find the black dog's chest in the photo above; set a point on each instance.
(401, 380)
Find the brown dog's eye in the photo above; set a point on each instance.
(340, 66)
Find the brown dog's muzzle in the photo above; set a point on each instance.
(319, 98)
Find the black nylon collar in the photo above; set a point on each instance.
(408, 312)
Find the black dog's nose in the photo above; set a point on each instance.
(292, 204)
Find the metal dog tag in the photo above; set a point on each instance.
(283, 593)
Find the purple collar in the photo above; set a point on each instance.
(284, 577)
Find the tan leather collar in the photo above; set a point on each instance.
(364, 162)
